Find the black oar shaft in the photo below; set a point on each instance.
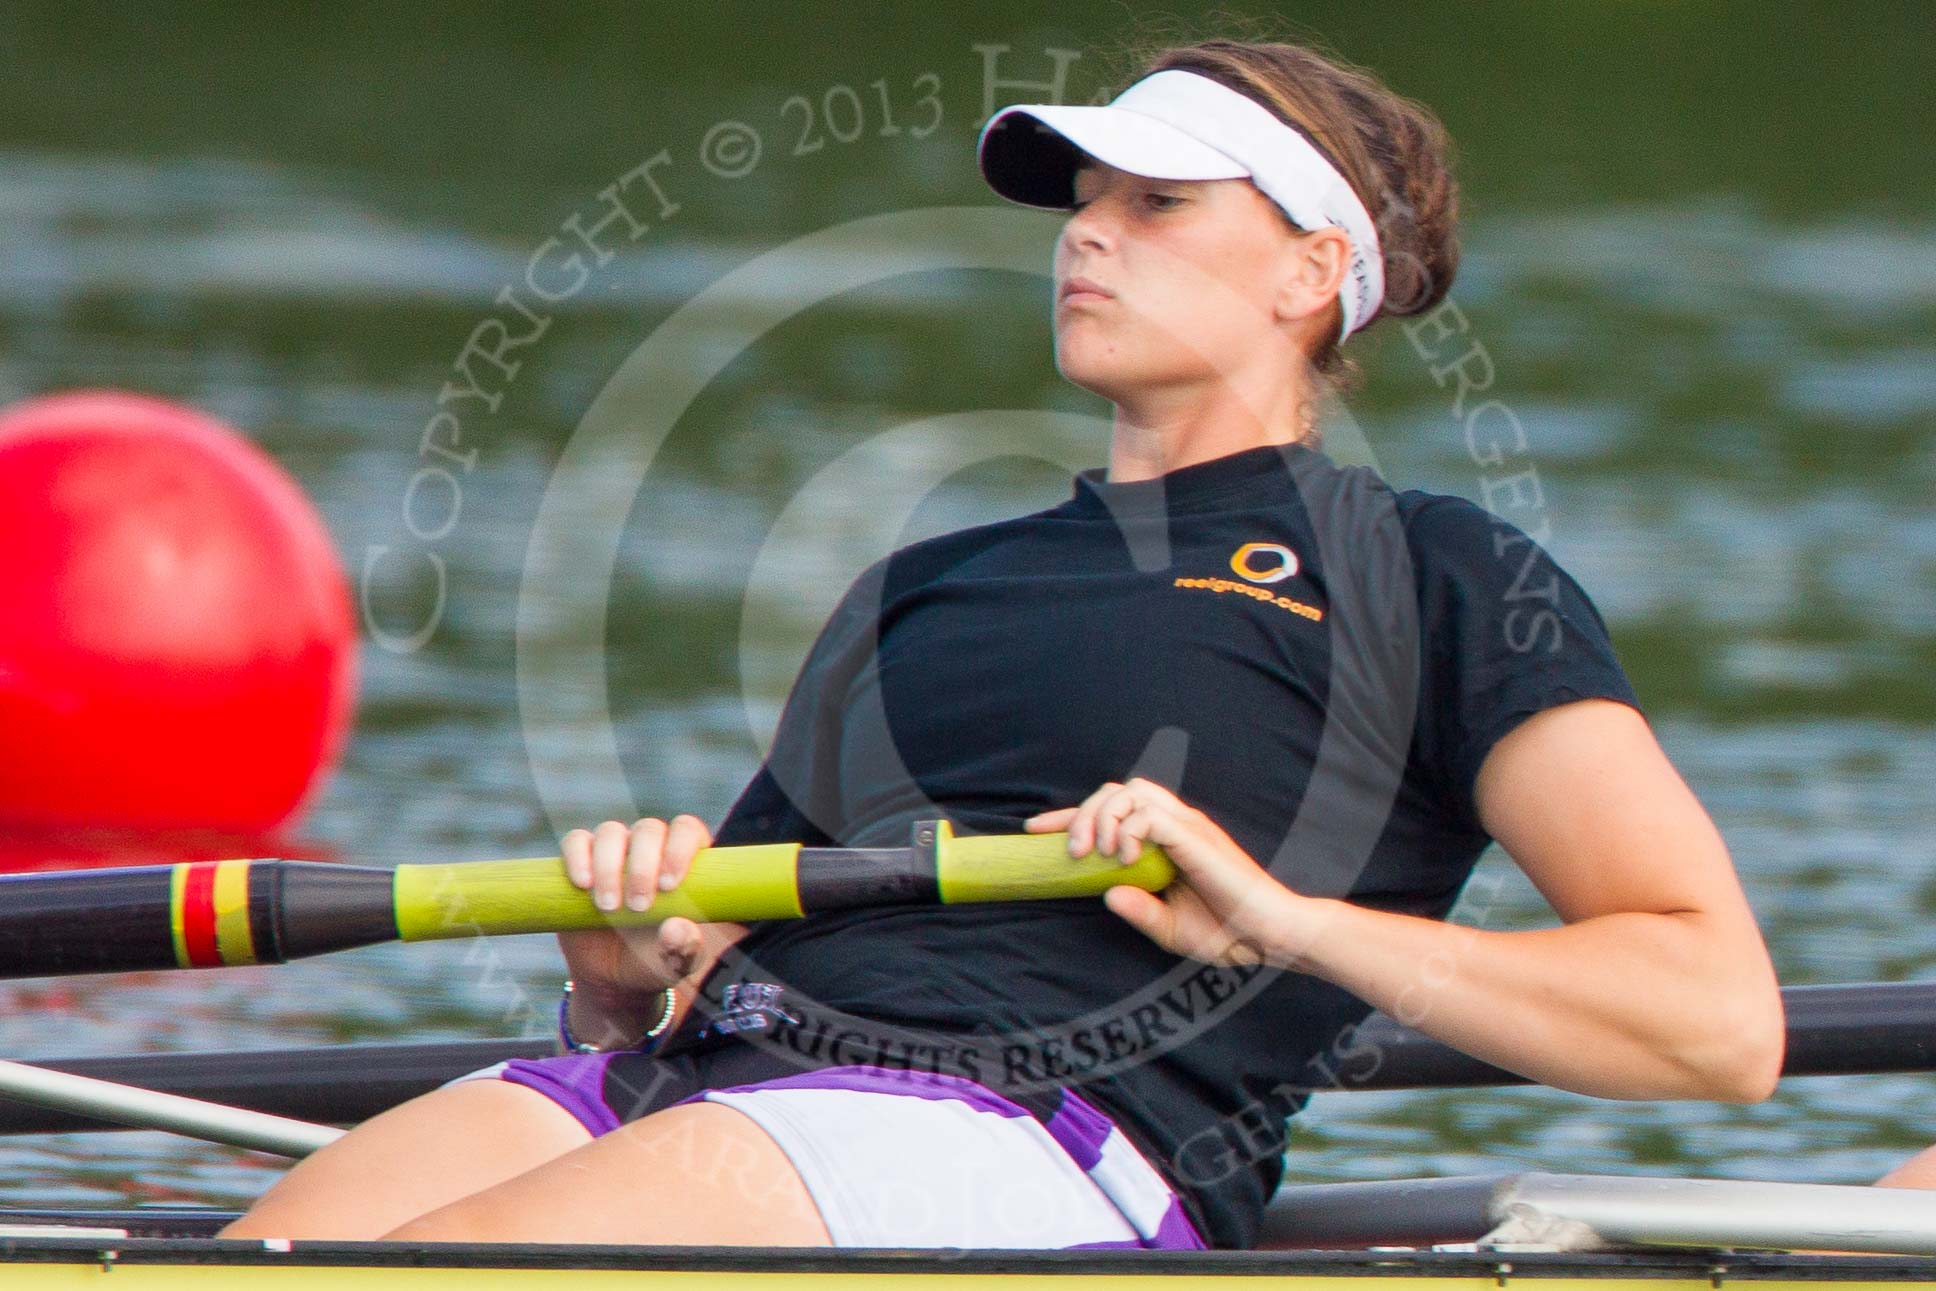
(202, 914)
(1860, 1029)
(117, 922)
(348, 1083)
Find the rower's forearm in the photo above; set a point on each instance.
(1659, 1014)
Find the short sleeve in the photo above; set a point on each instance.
(1506, 634)
(795, 796)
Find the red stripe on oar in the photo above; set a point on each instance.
(198, 916)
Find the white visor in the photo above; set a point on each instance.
(1179, 125)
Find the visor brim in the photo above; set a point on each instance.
(1029, 154)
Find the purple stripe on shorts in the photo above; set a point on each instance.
(886, 1080)
(1080, 1129)
(574, 1081)
(1174, 1233)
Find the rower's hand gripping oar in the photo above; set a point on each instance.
(206, 914)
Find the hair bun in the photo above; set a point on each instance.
(1417, 204)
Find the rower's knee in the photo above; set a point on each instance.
(451, 1224)
(306, 1223)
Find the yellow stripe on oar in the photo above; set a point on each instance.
(233, 938)
(177, 895)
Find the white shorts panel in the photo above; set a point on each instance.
(894, 1171)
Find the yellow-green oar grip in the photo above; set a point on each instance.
(1031, 867)
(470, 898)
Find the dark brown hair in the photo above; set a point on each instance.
(1394, 153)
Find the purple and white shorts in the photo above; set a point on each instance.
(907, 1159)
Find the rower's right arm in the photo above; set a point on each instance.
(621, 974)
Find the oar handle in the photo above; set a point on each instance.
(766, 881)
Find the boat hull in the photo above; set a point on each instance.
(38, 1262)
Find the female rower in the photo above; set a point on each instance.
(1323, 697)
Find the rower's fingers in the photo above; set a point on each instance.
(1082, 827)
(1131, 833)
(609, 842)
(1109, 817)
(576, 849)
(643, 860)
(686, 838)
(1152, 807)
(1047, 822)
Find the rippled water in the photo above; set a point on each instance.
(1724, 367)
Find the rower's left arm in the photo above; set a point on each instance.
(1657, 986)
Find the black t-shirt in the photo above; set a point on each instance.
(1317, 662)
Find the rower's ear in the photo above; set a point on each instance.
(1311, 272)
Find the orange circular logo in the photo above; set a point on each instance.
(1277, 562)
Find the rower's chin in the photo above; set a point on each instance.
(1086, 357)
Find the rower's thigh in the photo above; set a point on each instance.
(695, 1174)
(416, 1157)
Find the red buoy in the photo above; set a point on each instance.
(177, 648)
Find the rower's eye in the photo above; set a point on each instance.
(1154, 201)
